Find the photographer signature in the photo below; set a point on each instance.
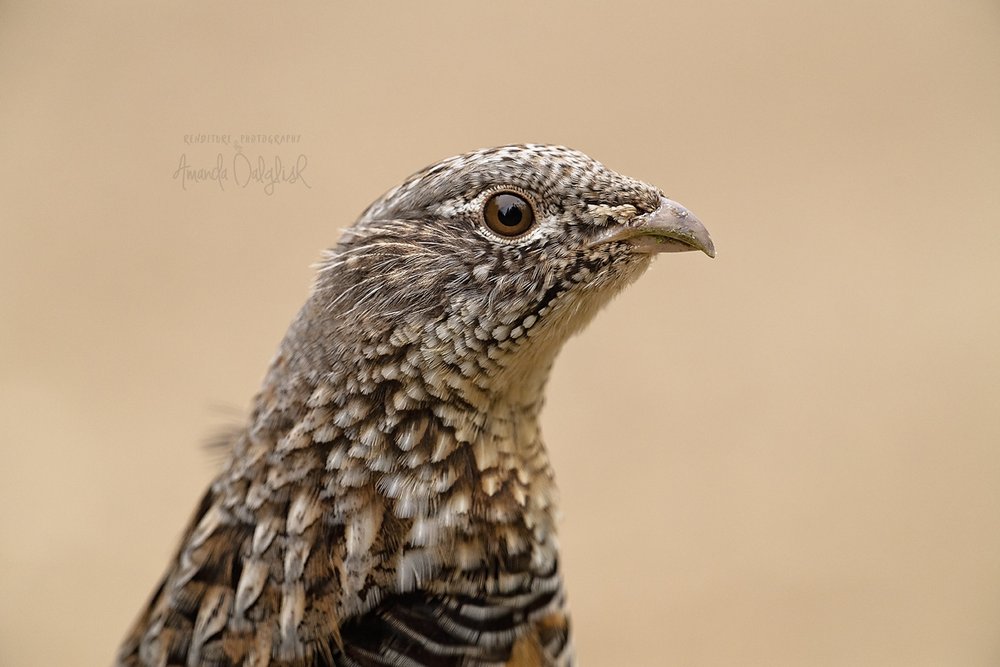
(242, 171)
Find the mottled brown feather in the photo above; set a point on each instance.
(389, 500)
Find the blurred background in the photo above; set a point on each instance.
(789, 455)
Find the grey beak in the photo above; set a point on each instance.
(670, 228)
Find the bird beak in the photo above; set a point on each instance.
(670, 228)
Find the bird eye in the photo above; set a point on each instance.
(509, 214)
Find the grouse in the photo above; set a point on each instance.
(389, 500)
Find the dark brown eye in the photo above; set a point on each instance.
(509, 214)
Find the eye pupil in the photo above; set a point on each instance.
(508, 214)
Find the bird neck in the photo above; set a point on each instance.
(437, 361)
(407, 413)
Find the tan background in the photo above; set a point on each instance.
(786, 456)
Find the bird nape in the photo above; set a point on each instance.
(389, 500)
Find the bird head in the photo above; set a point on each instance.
(482, 265)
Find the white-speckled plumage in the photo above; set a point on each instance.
(390, 500)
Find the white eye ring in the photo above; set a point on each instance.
(489, 205)
(509, 214)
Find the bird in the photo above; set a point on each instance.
(389, 499)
